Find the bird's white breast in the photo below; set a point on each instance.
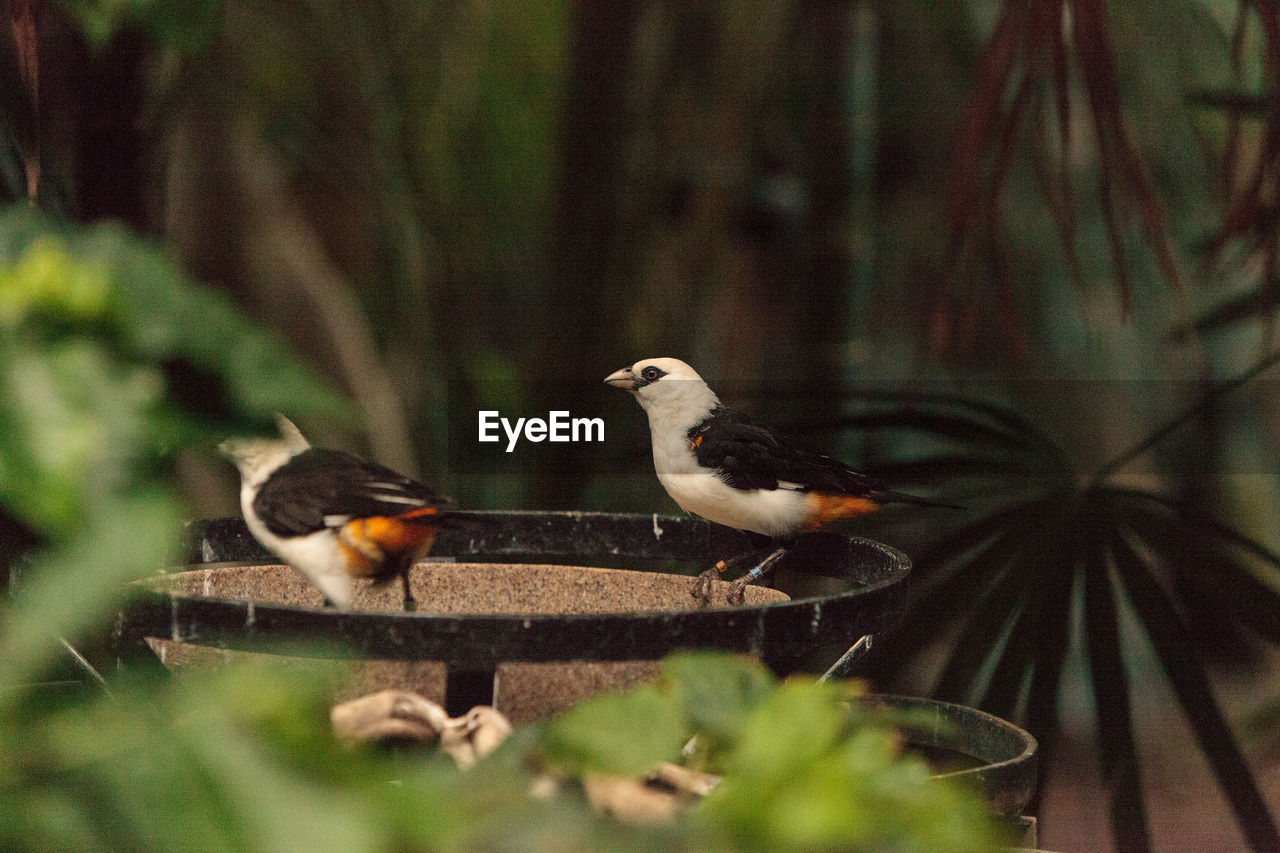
(316, 554)
(773, 512)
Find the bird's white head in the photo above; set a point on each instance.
(258, 458)
(668, 389)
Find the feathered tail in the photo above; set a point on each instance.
(885, 496)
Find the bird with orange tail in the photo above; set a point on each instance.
(332, 515)
(725, 467)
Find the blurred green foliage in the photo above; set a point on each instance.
(241, 758)
(805, 765)
(97, 328)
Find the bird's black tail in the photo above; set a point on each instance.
(462, 519)
(885, 496)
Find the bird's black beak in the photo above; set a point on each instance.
(624, 379)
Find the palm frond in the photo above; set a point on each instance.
(1177, 649)
(1117, 747)
(1049, 555)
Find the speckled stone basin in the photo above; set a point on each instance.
(523, 618)
(523, 691)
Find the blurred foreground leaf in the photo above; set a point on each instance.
(241, 758)
(803, 766)
(102, 340)
(622, 734)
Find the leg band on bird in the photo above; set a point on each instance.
(736, 594)
(702, 586)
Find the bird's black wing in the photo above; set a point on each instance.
(750, 455)
(319, 485)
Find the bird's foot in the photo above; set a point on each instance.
(702, 586)
(701, 590)
(410, 603)
(738, 590)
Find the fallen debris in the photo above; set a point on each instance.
(399, 717)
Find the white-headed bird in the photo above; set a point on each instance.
(722, 465)
(331, 515)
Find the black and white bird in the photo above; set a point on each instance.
(332, 515)
(720, 464)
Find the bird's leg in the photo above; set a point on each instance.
(702, 586)
(410, 603)
(736, 588)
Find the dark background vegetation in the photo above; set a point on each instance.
(1014, 253)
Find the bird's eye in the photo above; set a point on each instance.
(650, 374)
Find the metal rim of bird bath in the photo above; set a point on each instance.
(781, 633)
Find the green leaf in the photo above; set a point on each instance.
(619, 733)
(149, 315)
(208, 762)
(717, 692)
(811, 773)
(792, 727)
(47, 280)
(65, 592)
(75, 428)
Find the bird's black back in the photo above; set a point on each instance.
(317, 483)
(750, 455)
